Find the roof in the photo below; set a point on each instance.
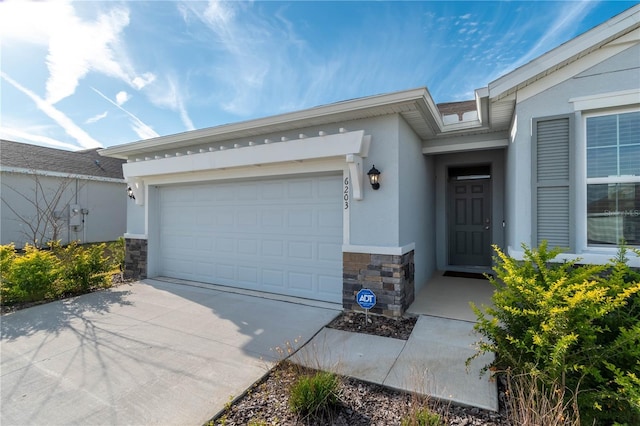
(19, 155)
(568, 52)
(415, 105)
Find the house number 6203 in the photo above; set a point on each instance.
(346, 193)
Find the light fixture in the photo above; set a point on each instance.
(130, 193)
(373, 177)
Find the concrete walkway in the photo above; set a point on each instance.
(155, 352)
(431, 362)
(142, 354)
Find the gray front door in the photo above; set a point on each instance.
(469, 221)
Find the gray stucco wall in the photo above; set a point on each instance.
(618, 73)
(104, 201)
(378, 210)
(417, 203)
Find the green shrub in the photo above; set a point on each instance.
(574, 325)
(422, 417)
(116, 250)
(33, 275)
(83, 268)
(7, 256)
(312, 394)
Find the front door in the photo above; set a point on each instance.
(469, 216)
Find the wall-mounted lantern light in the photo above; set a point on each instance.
(374, 174)
(130, 193)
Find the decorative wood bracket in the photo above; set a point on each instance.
(357, 175)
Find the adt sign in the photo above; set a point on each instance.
(366, 298)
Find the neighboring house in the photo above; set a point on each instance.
(51, 194)
(550, 151)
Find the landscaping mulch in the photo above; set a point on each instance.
(359, 402)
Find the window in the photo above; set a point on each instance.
(613, 178)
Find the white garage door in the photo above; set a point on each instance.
(277, 235)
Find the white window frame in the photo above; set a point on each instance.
(582, 181)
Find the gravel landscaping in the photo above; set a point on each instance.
(359, 403)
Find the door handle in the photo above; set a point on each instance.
(487, 223)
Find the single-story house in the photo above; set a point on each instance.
(284, 204)
(53, 194)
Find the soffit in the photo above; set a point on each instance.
(565, 54)
(415, 106)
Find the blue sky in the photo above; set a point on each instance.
(77, 75)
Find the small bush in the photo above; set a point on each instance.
(32, 276)
(7, 256)
(311, 395)
(83, 268)
(116, 250)
(572, 326)
(422, 417)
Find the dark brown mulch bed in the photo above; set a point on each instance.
(360, 403)
(377, 325)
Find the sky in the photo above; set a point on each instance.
(81, 75)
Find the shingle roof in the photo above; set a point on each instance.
(459, 108)
(34, 157)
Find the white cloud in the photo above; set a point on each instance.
(122, 97)
(561, 29)
(9, 133)
(58, 116)
(141, 129)
(141, 81)
(96, 118)
(251, 51)
(75, 47)
(171, 96)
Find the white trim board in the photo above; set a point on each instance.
(396, 251)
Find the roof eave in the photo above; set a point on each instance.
(318, 115)
(566, 53)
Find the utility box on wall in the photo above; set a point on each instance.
(75, 215)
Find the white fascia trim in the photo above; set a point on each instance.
(327, 146)
(136, 236)
(59, 174)
(266, 125)
(396, 251)
(606, 100)
(617, 25)
(466, 146)
(569, 71)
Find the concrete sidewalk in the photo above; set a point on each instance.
(431, 362)
(142, 354)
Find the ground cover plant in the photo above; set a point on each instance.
(571, 328)
(34, 275)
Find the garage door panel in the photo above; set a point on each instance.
(273, 278)
(329, 252)
(278, 235)
(272, 248)
(329, 285)
(300, 189)
(300, 281)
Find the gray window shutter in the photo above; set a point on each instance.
(552, 195)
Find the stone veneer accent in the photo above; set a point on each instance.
(390, 277)
(135, 258)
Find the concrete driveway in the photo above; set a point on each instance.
(148, 353)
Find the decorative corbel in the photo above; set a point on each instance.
(355, 171)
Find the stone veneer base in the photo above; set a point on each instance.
(390, 277)
(135, 258)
